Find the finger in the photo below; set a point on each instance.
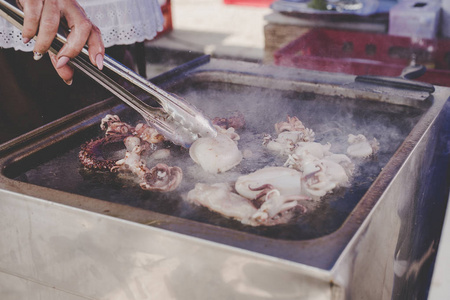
(81, 28)
(78, 35)
(65, 72)
(48, 26)
(96, 47)
(32, 10)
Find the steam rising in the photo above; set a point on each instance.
(332, 120)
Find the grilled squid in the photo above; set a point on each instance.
(272, 208)
(361, 147)
(216, 155)
(139, 141)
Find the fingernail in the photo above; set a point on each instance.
(62, 61)
(99, 61)
(37, 55)
(25, 40)
(69, 82)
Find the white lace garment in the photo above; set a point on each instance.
(122, 22)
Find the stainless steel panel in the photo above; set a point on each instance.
(100, 257)
(15, 287)
(392, 254)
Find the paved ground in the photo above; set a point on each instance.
(212, 27)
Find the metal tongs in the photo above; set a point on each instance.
(176, 119)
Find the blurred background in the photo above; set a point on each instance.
(356, 37)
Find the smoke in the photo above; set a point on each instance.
(332, 119)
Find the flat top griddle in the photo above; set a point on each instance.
(331, 118)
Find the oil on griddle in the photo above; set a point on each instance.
(331, 118)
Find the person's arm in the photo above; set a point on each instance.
(43, 17)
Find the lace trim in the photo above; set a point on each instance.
(122, 22)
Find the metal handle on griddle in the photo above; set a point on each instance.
(177, 120)
(396, 82)
(404, 81)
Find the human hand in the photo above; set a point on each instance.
(46, 16)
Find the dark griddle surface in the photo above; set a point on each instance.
(332, 119)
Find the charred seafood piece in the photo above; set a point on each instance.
(220, 153)
(139, 141)
(216, 155)
(360, 147)
(274, 208)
